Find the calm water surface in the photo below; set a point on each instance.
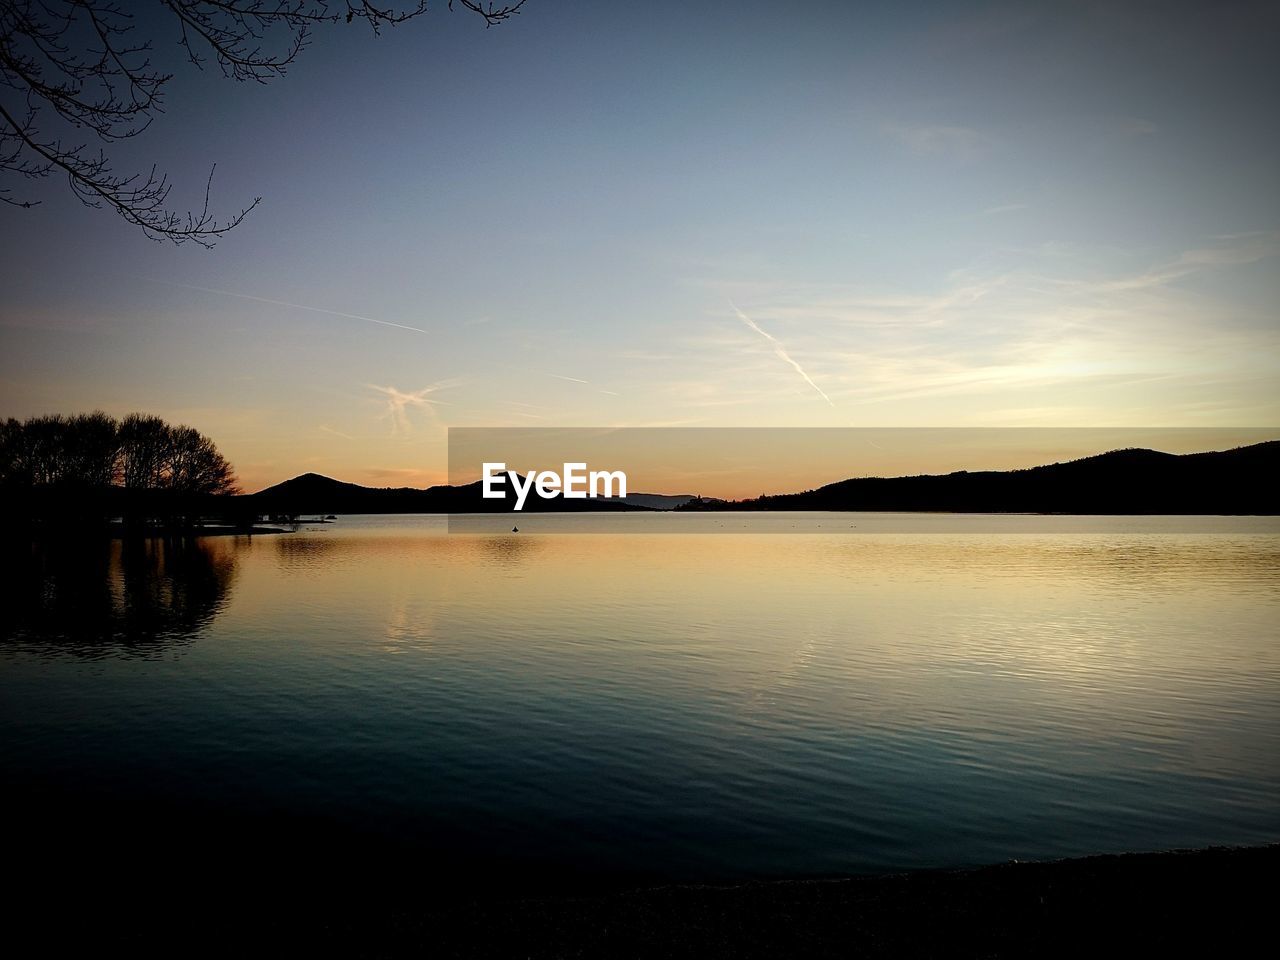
(652, 706)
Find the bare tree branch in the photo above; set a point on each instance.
(68, 66)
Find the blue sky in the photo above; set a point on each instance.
(748, 214)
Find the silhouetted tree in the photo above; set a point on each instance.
(144, 441)
(157, 456)
(195, 465)
(94, 451)
(40, 451)
(11, 438)
(73, 72)
(91, 449)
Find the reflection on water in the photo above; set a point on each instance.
(94, 599)
(660, 707)
(303, 553)
(509, 550)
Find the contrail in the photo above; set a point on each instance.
(285, 303)
(611, 393)
(398, 401)
(780, 351)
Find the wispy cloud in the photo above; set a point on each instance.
(1140, 128)
(400, 402)
(286, 303)
(1225, 251)
(964, 143)
(404, 476)
(780, 351)
(1054, 328)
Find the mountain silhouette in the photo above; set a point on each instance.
(1131, 481)
(315, 493)
(654, 501)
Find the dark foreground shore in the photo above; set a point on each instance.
(1214, 902)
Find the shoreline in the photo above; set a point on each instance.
(1209, 901)
(1137, 903)
(483, 522)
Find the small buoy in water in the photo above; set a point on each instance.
(515, 529)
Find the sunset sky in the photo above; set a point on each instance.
(651, 214)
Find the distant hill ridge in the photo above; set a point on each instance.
(315, 493)
(317, 484)
(1128, 481)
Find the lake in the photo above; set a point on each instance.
(642, 704)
